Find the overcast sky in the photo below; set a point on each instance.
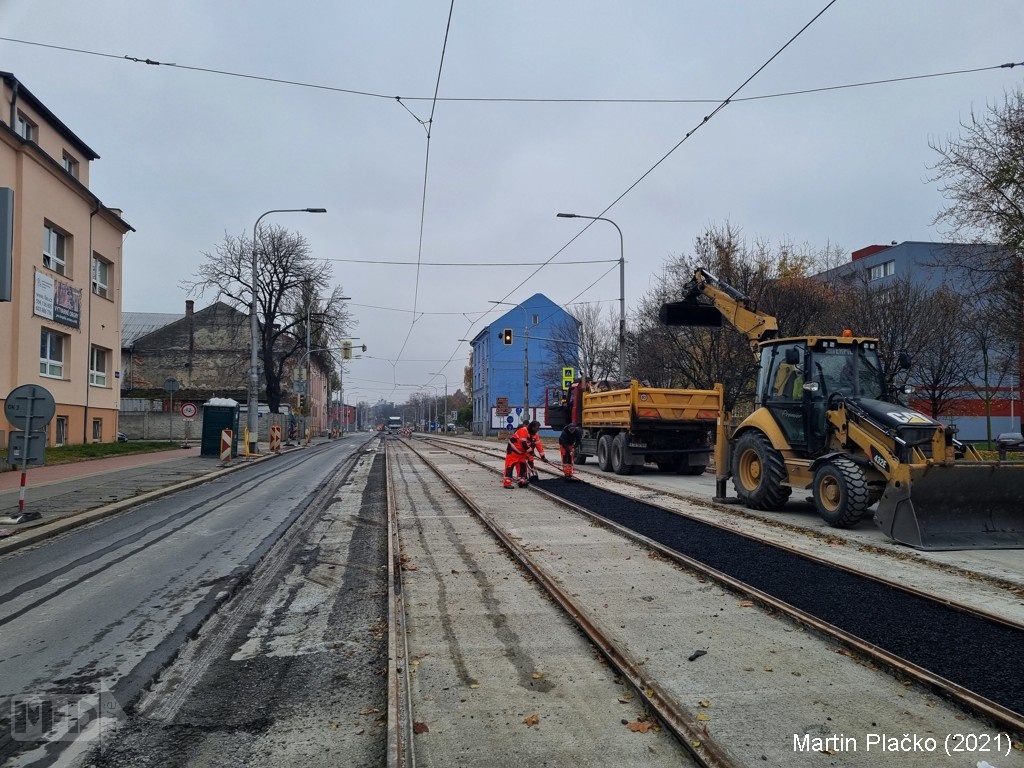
(194, 151)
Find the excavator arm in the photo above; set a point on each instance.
(720, 301)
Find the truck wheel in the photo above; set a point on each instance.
(604, 453)
(840, 492)
(758, 473)
(620, 463)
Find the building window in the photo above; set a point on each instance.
(100, 275)
(70, 164)
(25, 127)
(97, 430)
(51, 354)
(61, 435)
(98, 359)
(54, 249)
(885, 269)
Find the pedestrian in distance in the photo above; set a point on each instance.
(568, 443)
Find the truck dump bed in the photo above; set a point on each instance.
(651, 408)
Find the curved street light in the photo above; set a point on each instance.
(622, 287)
(254, 331)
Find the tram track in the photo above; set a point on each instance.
(968, 656)
(691, 737)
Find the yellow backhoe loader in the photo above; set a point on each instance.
(823, 421)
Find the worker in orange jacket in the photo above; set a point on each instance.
(519, 453)
(536, 449)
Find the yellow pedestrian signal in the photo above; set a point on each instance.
(568, 377)
(506, 336)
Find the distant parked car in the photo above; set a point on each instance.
(1010, 440)
(122, 437)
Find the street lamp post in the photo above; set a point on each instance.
(435, 405)
(254, 330)
(445, 398)
(622, 288)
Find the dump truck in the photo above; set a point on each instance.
(625, 426)
(823, 421)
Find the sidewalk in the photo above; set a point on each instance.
(68, 495)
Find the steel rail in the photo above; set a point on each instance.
(687, 730)
(400, 753)
(995, 712)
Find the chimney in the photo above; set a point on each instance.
(189, 306)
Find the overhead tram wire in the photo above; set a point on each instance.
(722, 105)
(428, 126)
(509, 99)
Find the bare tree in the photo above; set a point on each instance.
(981, 175)
(586, 340)
(292, 288)
(937, 370)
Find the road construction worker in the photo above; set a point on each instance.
(517, 452)
(536, 449)
(568, 442)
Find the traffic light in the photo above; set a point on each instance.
(364, 347)
(506, 336)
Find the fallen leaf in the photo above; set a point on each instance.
(418, 727)
(368, 711)
(474, 685)
(639, 727)
(626, 698)
(704, 703)
(768, 669)
(531, 721)
(703, 717)
(746, 604)
(537, 675)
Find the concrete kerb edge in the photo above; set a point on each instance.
(50, 530)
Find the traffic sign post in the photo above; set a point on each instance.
(30, 408)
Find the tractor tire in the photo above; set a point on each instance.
(604, 453)
(840, 492)
(758, 473)
(620, 465)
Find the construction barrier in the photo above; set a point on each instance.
(227, 437)
(275, 438)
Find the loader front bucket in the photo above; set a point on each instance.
(968, 505)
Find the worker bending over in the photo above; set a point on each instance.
(519, 452)
(568, 442)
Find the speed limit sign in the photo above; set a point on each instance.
(188, 410)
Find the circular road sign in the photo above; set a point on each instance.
(188, 410)
(29, 398)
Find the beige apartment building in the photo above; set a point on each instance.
(61, 322)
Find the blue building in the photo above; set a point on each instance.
(923, 264)
(512, 362)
